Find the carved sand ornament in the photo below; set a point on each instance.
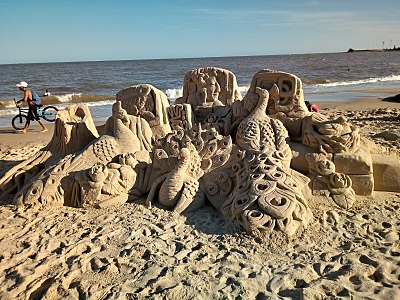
(328, 182)
(262, 193)
(148, 102)
(209, 87)
(330, 136)
(287, 97)
(267, 195)
(181, 116)
(74, 129)
(312, 129)
(57, 185)
(190, 154)
(101, 183)
(209, 90)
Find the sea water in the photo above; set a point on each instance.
(325, 77)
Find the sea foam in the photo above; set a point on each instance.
(360, 82)
(175, 93)
(67, 97)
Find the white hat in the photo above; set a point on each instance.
(22, 84)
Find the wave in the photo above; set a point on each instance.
(243, 90)
(96, 103)
(316, 81)
(172, 94)
(175, 93)
(362, 81)
(63, 100)
(12, 110)
(67, 98)
(78, 98)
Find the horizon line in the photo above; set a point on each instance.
(170, 58)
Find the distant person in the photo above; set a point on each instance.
(47, 93)
(311, 107)
(32, 112)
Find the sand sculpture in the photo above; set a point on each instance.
(210, 92)
(74, 129)
(78, 178)
(255, 159)
(209, 87)
(148, 102)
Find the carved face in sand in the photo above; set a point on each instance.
(98, 172)
(213, 89)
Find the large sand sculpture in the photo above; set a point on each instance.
(257, 159)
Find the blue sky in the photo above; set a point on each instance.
(80, 30)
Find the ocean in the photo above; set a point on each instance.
(325, 76)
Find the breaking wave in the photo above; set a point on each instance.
(64, 99)
(172, 94)
(175, 93)
(79, 98)
(360, 82)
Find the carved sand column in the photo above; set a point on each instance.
(209, 91)
(148, 102)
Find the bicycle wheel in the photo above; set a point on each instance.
(49, 113)
(19, 121)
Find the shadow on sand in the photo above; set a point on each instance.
(8, 130)
(6, 165)
(205, 219)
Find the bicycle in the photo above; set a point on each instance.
(48, 113)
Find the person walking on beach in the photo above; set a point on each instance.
(47, 93)
(32, 112)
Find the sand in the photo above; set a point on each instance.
(132, 252)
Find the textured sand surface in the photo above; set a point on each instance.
(132, 252)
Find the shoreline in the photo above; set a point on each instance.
(359, 104)
(70, 99)
(10, 137)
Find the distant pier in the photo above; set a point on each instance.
(373, 50)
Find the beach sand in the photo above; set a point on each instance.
(132, 252)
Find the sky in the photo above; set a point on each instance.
(94, 30)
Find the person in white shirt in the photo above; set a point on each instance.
(47, 93)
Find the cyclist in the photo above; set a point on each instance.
(32, 112)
